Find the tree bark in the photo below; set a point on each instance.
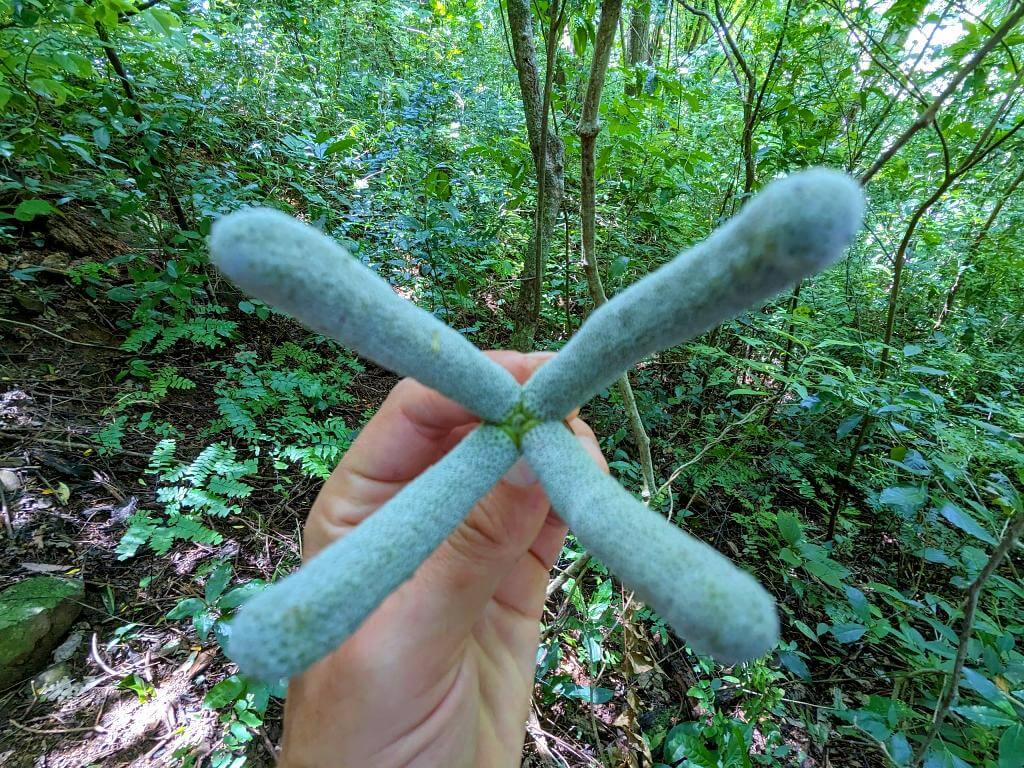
(637, 41)
(548, 157)
(639, 27)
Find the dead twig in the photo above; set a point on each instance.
(45, 731)
(62, 338)
(94, 654)
(71, 443)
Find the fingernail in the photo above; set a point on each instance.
(521, 475)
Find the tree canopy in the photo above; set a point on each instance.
(856, 443)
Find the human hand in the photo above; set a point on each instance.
(441, 673)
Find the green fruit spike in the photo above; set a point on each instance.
(792, 229)
(306, 615)
(298, 270)
(718, 608)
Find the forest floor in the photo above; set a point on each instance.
(130, 686)
(130, 691)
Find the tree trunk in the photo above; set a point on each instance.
(548, 158)
(588, 129)
(637, 44)
(114, 59)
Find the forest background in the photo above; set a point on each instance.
(856, 443)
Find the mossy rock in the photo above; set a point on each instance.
(35, 614)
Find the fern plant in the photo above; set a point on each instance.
(210, 485)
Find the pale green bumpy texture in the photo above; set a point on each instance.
(298, 620)
(298, 270)
(794, 228)
(719, 609)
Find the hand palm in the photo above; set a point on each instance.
(441, 673)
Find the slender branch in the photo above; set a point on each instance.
(124, 16)
(740, 59)
(1012, 533)
(129, 91)
(701, 13)
(547, 151)
(947, 305)
(759, 102)
(928, 115)
(976, 156)
(576, 569)
(62, 338)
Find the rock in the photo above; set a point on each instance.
(68, 648)
(9, 480)
(34, 615)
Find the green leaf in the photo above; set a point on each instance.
(1011, 747)
(586, 693)
(828, 571)
(789, 556)
(847, 425)
(860, 603)
(339, 146)
(848, 633)
(29, 209)
(981, 685)
(985, 716)
(899, 749)
(239, 595)
(218, 579)
(905, 499)
(905, 13)
(934, 555)
(143, 690)
(807, 631)
(140, 528)
(925, 370)
(202, 623)
(685, 739)
(957, 517)
(121, 293)
(249, 718)
(746, 391)
(789, 527)
(795, 664)
(224, 693)
(102, 137)
(187, 608)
